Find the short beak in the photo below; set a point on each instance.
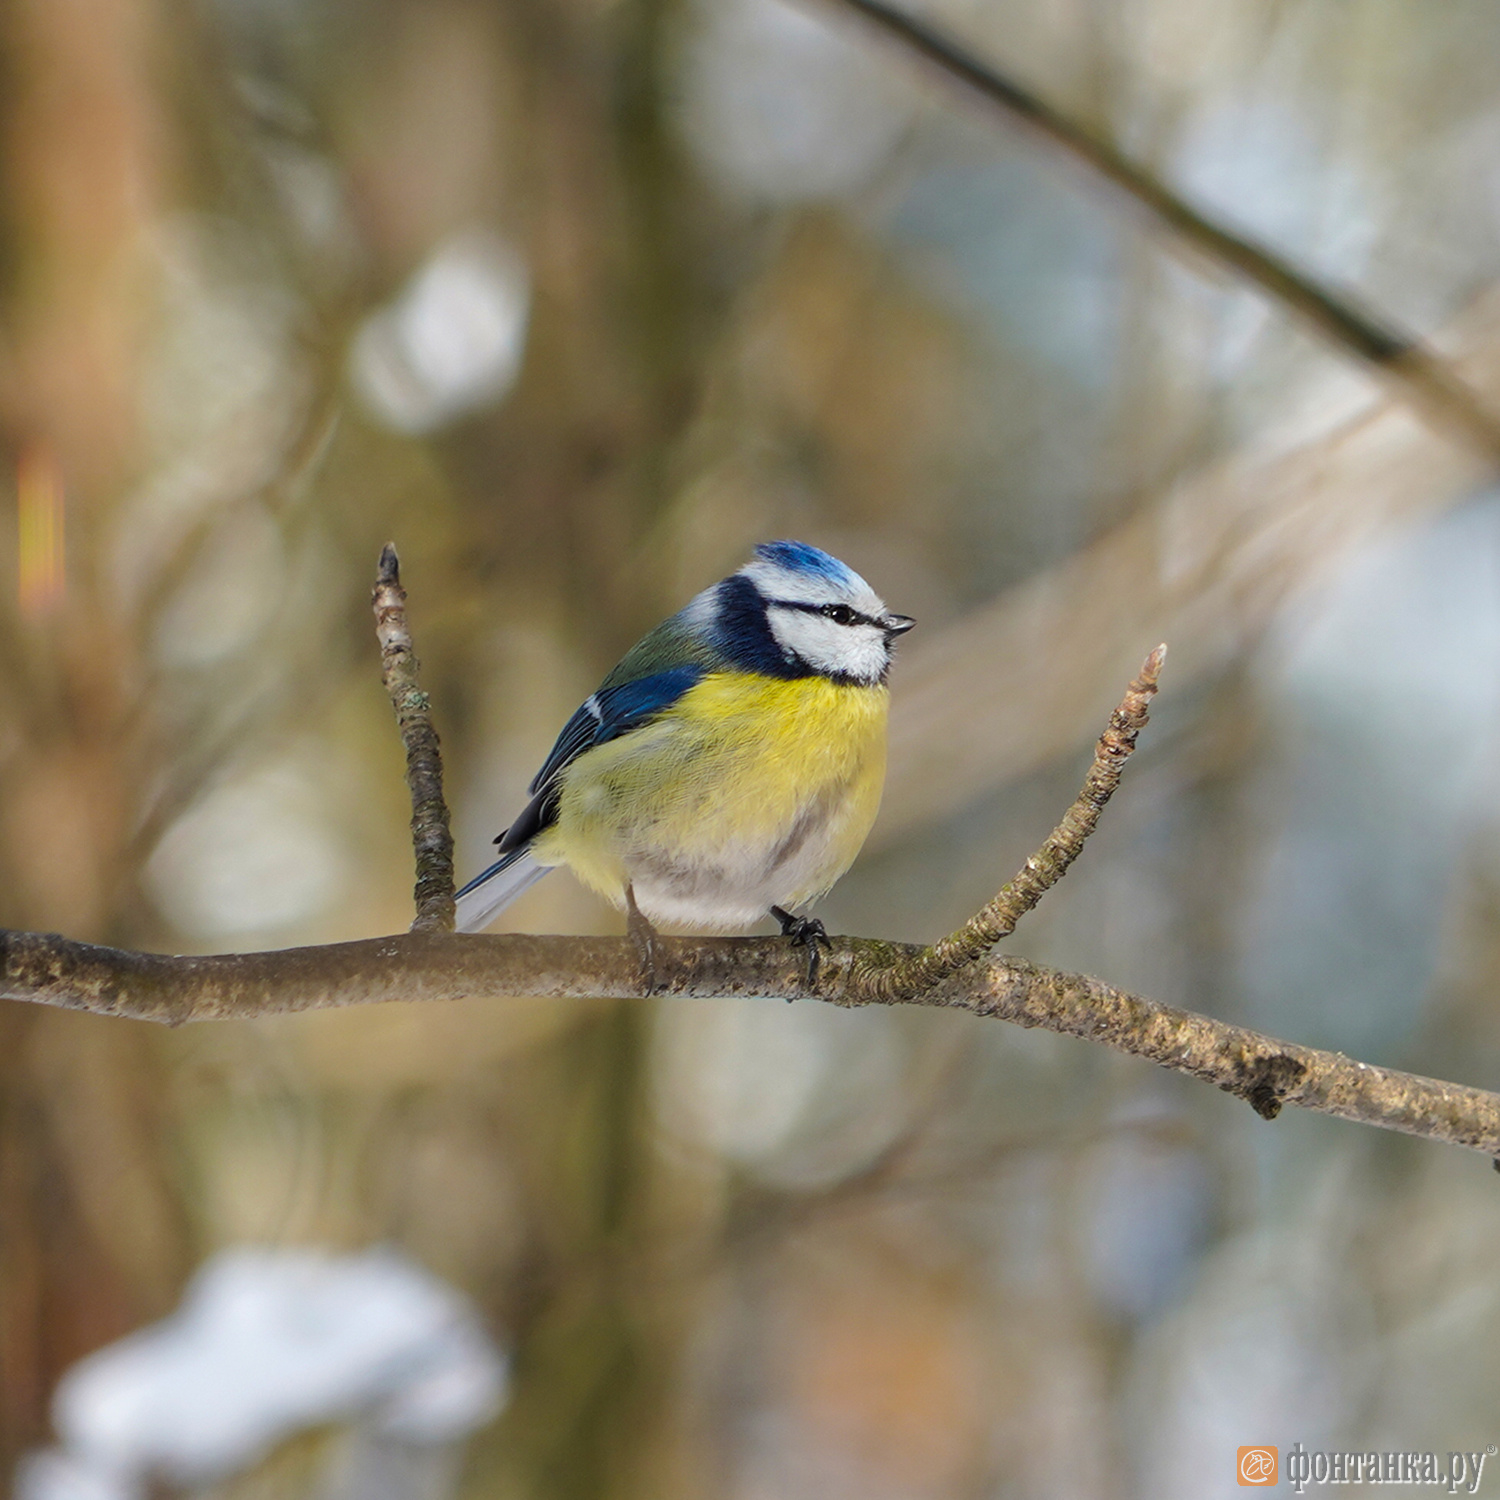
(897, 625)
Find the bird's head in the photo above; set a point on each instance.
(814, 614)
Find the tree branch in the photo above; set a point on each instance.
(1413, 368)
(432, 839)
(898, 981)
(425, 966)
(432, 964)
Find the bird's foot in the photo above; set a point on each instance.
(644, 936)
(805, 932)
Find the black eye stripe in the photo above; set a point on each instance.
(841, 614)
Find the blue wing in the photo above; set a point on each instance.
(611, 712)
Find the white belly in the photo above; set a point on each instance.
(732, 884)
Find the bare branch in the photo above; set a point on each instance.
(432, 840)
(1257, 1068)
(1267, 1073)
(1409, 365)
(900, 980)
(432, 964)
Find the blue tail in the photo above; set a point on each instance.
(488, 894)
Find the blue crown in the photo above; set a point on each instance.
(799, 557)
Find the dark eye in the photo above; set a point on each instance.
(840, 614)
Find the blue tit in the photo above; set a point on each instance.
(729, 767)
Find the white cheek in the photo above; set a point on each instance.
(848, 650)
(869, 655)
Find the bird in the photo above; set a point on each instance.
(729, 767)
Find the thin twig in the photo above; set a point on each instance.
(1423, 376)
(432, 840)
(898, 980)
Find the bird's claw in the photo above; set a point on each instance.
(804, 932)
(644, 936)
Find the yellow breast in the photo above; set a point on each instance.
(749, 791)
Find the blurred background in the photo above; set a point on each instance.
(576, 300)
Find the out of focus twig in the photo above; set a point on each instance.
(1423, 376)
(432, 840)
(1206, 565)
